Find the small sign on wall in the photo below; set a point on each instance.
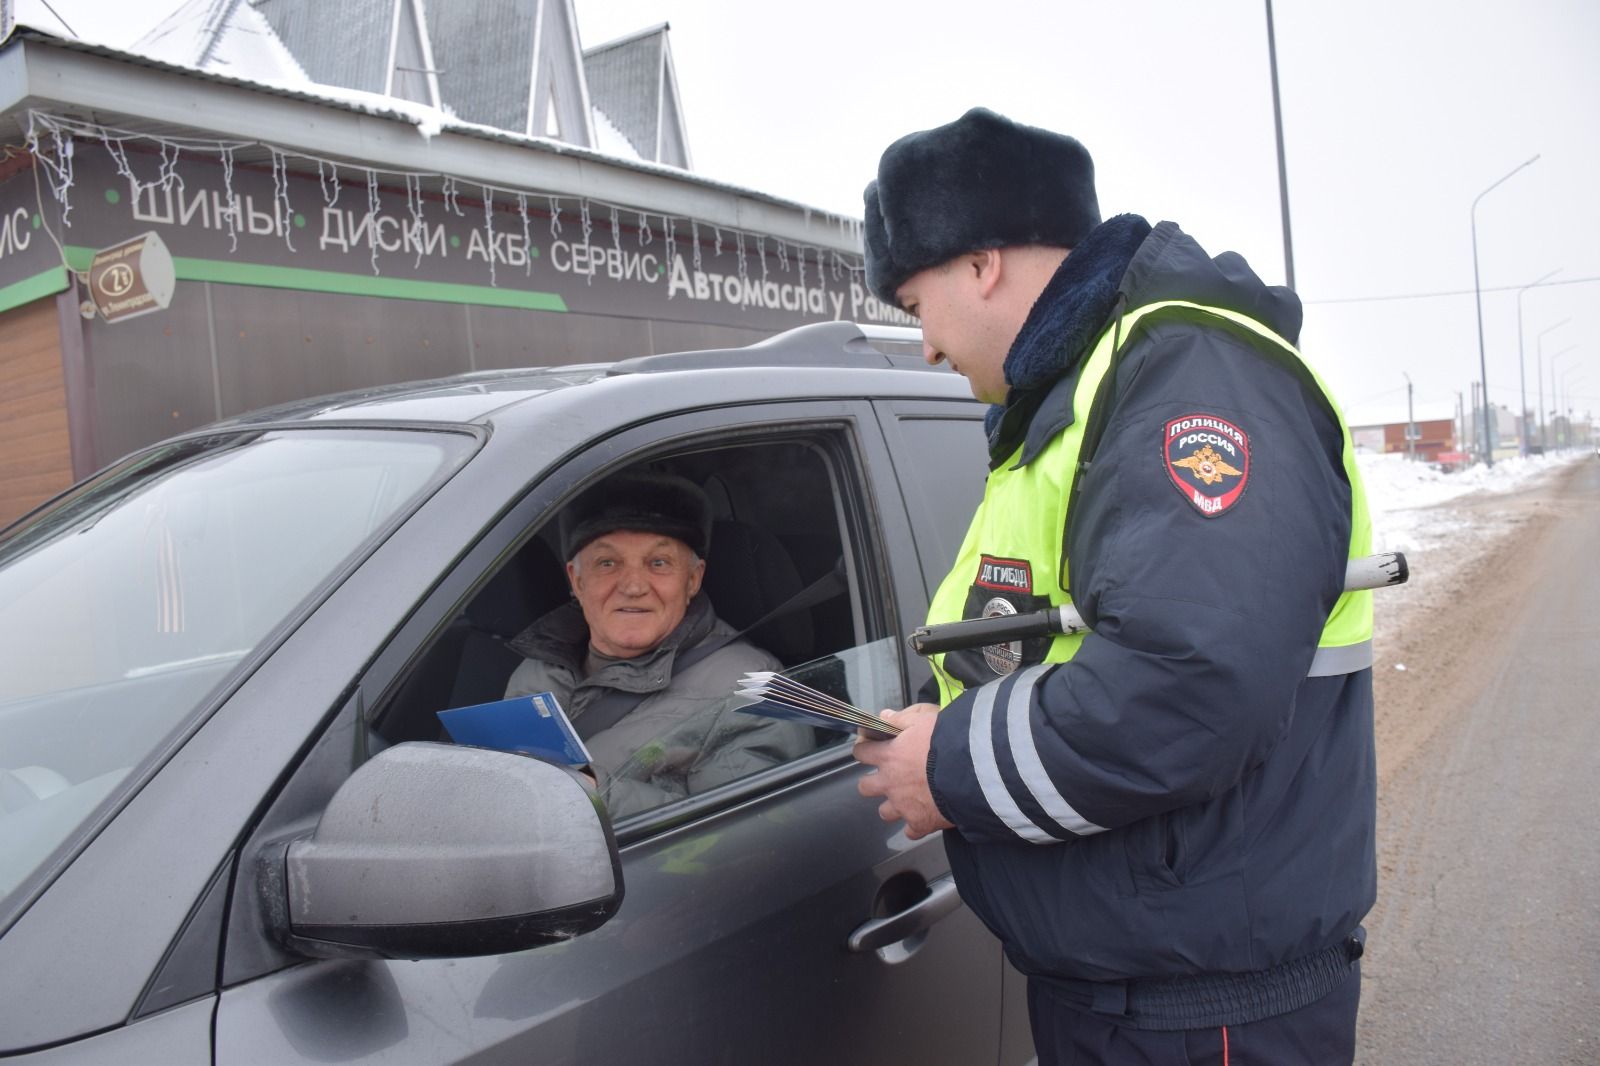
(133, 278)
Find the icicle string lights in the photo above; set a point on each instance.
(282, 213)
(233, 209)
(57, 164)
(52, 139)
(414, 200)
(450, 196)
(488, 234)
(169, 168)
(373, 204)
(323, 180)
(583, 214)
(527, 238)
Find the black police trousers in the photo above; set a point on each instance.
(1320, 1034)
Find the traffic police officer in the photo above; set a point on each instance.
(1168, 821)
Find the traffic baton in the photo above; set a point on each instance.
(1371, 572)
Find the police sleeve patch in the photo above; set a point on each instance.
(1208, 459)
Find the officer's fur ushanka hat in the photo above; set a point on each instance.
(983, 181)
(642, 502)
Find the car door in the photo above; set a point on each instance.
(774, 919)
(941, 498)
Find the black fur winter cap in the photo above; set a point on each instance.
(983, 181)
(640, 501)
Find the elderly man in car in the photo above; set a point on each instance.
(639, 660)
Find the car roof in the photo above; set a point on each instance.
(845, 350)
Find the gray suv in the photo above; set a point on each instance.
(231, 831)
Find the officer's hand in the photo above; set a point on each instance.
(901, 771)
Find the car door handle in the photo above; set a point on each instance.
(940, 901)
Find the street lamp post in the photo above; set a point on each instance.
(1477, 292)
(1283, 171)
(1567, 382)
(1411, 422)
(1522, 373)
(1554, 392)
(1540, 344)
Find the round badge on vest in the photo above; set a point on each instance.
(1002, 658)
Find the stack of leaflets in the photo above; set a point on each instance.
(786, 698)
(533, 724)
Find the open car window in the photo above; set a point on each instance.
(786, 571)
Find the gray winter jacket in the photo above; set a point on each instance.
(684, 736)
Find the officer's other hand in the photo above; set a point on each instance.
(900, 771)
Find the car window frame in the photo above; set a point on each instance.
(852, 422)
(892, 416)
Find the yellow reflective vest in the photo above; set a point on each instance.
(1023, 517)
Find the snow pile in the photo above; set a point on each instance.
(1446, 524)
(1404, 496)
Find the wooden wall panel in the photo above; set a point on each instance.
(35, 449)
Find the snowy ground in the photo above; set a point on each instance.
(1447, 525)
(1405, 497)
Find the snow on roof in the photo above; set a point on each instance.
(609, 139)
(226, 37)
(629, 38)
(429, 121)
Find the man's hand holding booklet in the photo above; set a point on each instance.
(533, 724)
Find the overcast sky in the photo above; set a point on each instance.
(1397, 114)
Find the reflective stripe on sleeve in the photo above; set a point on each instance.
(1330, 662)
(1025, 753)
(980, 739)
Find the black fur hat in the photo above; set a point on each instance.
(640, 501)
(980, 182)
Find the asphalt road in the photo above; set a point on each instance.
(1485, 945)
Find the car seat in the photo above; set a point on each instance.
(748, 575)
(532, 583)
(469, 662)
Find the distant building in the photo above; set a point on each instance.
(1381, 432)
(357, 193)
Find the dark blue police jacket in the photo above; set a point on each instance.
(1237, 795)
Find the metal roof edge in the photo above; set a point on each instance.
(40, 69)
(628, 38)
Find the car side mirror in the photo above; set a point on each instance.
(435, 851)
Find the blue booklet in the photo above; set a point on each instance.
(533, 724)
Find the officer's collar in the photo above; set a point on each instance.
(1071, 311)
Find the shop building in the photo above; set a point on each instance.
(348, 210)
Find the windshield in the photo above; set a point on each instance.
(127, 602)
